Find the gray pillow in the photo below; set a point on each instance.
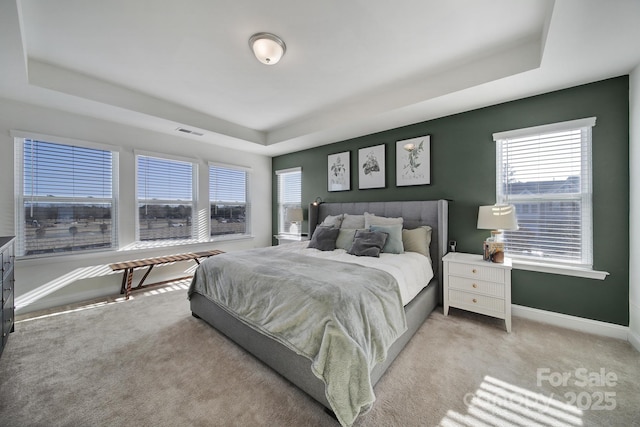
(324, 238)
(368, 243)
(393, 244)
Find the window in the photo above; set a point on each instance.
(545, 172)
(228, 189)
(289, 198)
(165, 198)
(66, 197)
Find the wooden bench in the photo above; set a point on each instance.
(129, 266)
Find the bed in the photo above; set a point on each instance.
(296, 365)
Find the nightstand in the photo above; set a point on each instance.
(472, 284)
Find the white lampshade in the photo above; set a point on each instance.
(497, 217)
(294, 215)
(267, 47)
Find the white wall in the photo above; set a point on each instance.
(634, 214)
(53, 281)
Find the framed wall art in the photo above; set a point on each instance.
(339, 171)
(371, 170)
(413, 161)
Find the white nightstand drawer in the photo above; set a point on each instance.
(478, 303)
(478, 286)
(487, 274)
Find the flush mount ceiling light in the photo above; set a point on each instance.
(267, 47)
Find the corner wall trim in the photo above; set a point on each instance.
(573, 322)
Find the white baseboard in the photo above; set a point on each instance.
(634, 323)
(634, 339)
(573, 322)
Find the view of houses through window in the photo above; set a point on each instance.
(545, 172)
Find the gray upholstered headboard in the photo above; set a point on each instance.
(434, 213)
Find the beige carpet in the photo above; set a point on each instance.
(148, 362)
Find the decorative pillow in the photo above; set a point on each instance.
(371, 219)
(393, 245)
(345, 238)
(417, 240)
(324, 238)
(368, 243)
(353, 221)
(332, 221)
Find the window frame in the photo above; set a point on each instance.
(584, 266)
(20, 198)
(247, 204)
(282, 207)
(193, 202)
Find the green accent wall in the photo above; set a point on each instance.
(463, 171)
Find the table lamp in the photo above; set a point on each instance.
(496, 218)
(294, 216)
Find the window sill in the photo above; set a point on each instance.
(565, 270)
(229, 237)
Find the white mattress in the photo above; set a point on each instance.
(411, 270)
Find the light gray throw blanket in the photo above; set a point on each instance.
(341, 316)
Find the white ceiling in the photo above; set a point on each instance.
(351, 67)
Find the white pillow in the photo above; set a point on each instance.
(332, 221)
(371, 219)
(353, 221)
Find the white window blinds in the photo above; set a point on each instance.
(165, 198)
(163, 179)
(228, 189)
(66, 197)
(289, 197)
(545, 172)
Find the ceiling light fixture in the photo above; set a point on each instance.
(267, 47)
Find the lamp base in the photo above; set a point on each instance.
(493, 251)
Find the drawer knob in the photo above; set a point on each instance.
(475, 300)
(474, 285)
(474, 271)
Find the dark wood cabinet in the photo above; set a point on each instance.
(7, 260)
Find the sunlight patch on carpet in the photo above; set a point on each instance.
(498, 403)
(179, 285)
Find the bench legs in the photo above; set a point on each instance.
(127, 278)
